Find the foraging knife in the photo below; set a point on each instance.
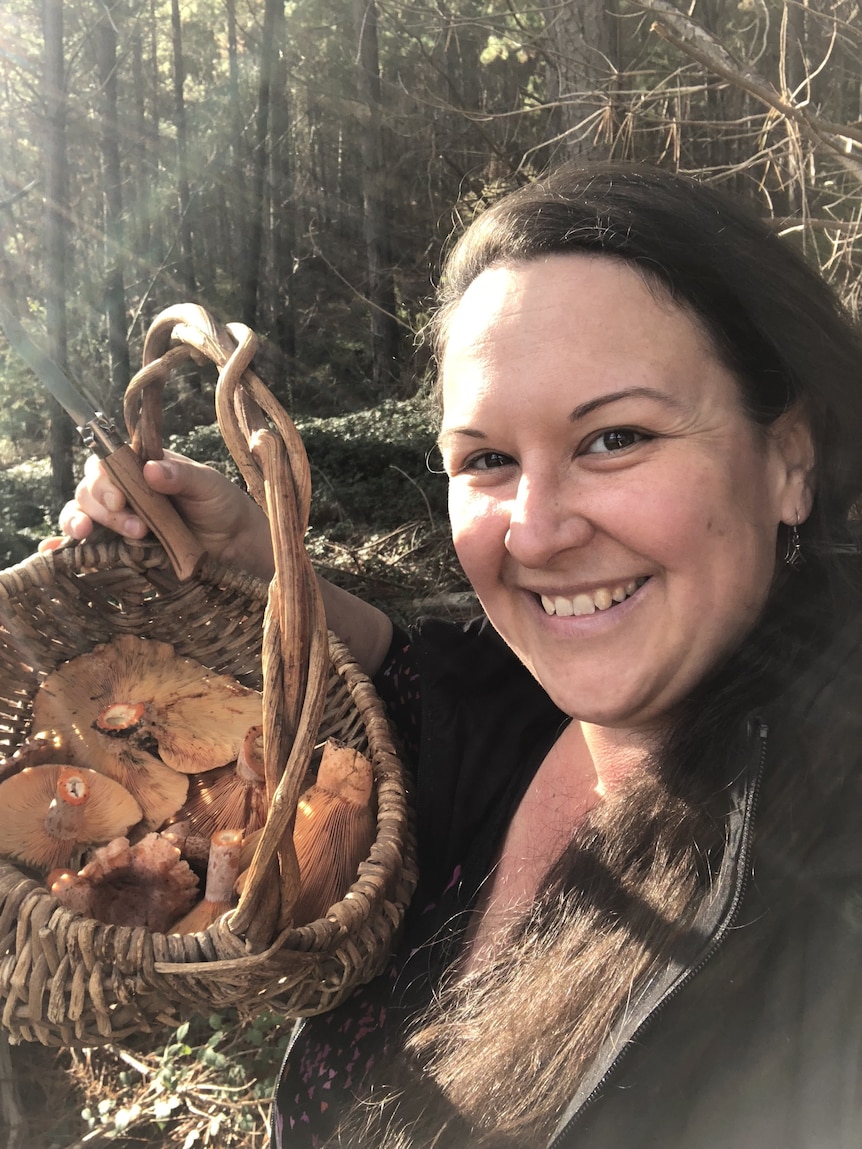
(101, 436)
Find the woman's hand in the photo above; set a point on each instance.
(228, 524)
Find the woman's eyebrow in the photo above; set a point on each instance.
(584, 409)
(581, 411)
(459, 432)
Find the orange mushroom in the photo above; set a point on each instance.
(135, 710)
(334, 829)
(145, 884)
(222, 870)
(233, 796)
(50, 813)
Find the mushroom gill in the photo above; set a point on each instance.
(52, 812)
(232, 796)
(135, 710)
(334, 829)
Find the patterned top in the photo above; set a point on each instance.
(476, 725)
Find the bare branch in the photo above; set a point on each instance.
(13, 199)
(699, 44)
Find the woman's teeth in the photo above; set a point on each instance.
(599, 599)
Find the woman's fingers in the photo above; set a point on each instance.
(99, 500)
(226, 522)
(51, 544)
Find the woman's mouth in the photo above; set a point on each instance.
(603, 598)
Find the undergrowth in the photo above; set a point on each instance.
(207, 1083)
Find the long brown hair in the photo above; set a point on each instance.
(613, 911)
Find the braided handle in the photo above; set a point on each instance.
(269, 453)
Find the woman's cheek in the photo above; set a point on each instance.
(478, 523)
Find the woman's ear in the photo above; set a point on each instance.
(791, 434)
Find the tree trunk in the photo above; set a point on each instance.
(281, 194)
(143, 178)
(56, 242)
(250, 286)
(237, 178)
(580, 46)
(112, 198)
(378, 248)
(185, 268)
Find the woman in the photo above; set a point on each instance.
(637, 777)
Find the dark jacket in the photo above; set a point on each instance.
(757, 1040)
(753, 1037)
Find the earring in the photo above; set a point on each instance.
(793, 555)
(434, 464)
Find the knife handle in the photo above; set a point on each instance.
(157, 511)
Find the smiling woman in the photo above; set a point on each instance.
(588, 458)
(651, 418)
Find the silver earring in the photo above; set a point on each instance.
(793, 555)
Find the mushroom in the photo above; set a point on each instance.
(35, 750)
(145, 884)
(135, 710)
(51, 812)
(232, 796)
(222, 871)
(334, 829)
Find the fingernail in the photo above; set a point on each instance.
(78, 525)
(133, 527)
(113, 501)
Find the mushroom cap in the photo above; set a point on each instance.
(51, 811)
(198, 718)
(146, 884)
(182, 718)
(346, 772)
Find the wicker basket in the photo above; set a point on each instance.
(67, 980)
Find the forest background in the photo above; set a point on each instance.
(298, 165)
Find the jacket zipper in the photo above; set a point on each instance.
(743, 853)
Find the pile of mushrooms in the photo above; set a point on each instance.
(140, 794)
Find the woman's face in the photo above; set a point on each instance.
(611, 503)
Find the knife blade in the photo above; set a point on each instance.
(100, 434)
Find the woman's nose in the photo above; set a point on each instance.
(545, 519)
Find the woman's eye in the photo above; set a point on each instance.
(487, 461)
(617, 439)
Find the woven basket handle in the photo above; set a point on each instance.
(269, 453)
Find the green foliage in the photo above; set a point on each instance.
(378, 524)
(23, 424)
(24, 516)
(367, 468)
(208, 1084)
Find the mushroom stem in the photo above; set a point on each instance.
(68, 809)
(120, 719)
(249, 762)
(222, 871)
